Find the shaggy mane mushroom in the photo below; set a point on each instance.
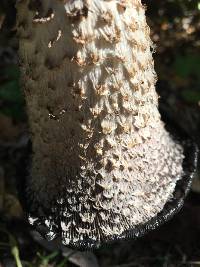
(102, 162)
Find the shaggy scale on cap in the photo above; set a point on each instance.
(102, 160)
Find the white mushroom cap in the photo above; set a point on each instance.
(102, 160)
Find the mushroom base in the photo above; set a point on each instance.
(52, 223)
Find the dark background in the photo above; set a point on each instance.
(175, 26)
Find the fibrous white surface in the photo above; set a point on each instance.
(102, 160)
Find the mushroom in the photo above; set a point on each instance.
(102, 161)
